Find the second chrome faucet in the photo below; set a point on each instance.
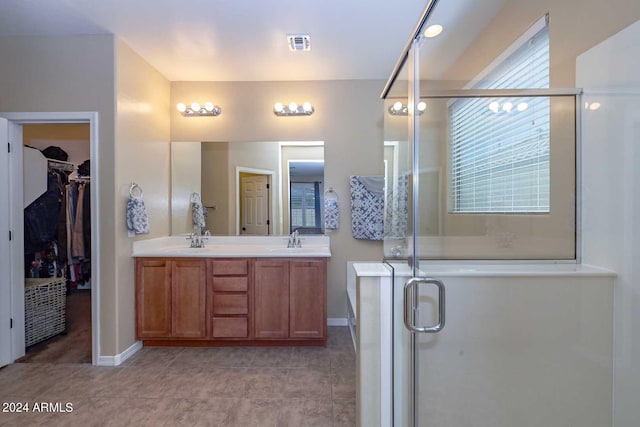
(294, 240)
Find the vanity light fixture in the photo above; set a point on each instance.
(293, 109)
(197, 110)
(507, 107)
(400, 109)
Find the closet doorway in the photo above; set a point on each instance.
(14, 209)
(57, 243)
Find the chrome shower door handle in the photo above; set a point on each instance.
(411, 302)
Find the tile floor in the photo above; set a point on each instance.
(232, 386)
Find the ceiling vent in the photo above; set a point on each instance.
(299, 42)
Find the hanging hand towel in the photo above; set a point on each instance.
(331, 214)
(198, 213)
(367, 207)
(137, 220)
(396, 222)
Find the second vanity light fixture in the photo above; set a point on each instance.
(400, 109)
(293, 109)
(196, 110)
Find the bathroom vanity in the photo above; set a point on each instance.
(235, 291)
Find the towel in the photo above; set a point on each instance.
(396, 222)
(137, 220)
(367, 207)
(198, 213)
(331, 214)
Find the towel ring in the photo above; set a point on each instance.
(132, 190)
(330, 194)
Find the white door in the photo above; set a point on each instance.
(254, 191)
(5, 259)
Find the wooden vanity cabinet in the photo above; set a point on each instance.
(238, 301)
(290, 299)
(170, 298)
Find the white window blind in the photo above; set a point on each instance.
(304, 205)
(499, 147)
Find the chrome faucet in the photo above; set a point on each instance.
(294, 240)
(197, 240)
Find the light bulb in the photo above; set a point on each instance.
(293, 107)
(594, 106)
(586, 105)
(307, 107)
(181, 107)
(421, 106)
(397, 106)
(507, 106)
(195, 107)
(278, 107)
(433, 30)
(494, 106)
(522, 106)
(208, 106)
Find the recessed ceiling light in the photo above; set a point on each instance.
(433, 30)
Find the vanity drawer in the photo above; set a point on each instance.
(230, 284)
(230, 304)
(231, 267)
(229, 327)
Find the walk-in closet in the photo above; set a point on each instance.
(57, 243)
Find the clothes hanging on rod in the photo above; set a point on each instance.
(78, 237)
(43, 257)
(58, 228)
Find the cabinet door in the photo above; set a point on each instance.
(189, 298)
(308, 299)
(271, 299)
(153, 298)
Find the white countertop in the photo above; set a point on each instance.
(233, 247)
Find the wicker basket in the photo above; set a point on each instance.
(45, 302)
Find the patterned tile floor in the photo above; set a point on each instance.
(160, 386)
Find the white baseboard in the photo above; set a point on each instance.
(337, 321)
(119, 358)
(136, 346)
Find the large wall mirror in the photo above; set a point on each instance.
(252, 188)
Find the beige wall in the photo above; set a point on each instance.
(142, 156)
(72, 73)
(348, 119)
(76, 73)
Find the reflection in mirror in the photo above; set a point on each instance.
(306, 192)
(494, 168)
(244, 186)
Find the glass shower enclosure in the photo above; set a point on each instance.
(481, 170)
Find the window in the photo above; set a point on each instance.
(305, 205)
(499, 147)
